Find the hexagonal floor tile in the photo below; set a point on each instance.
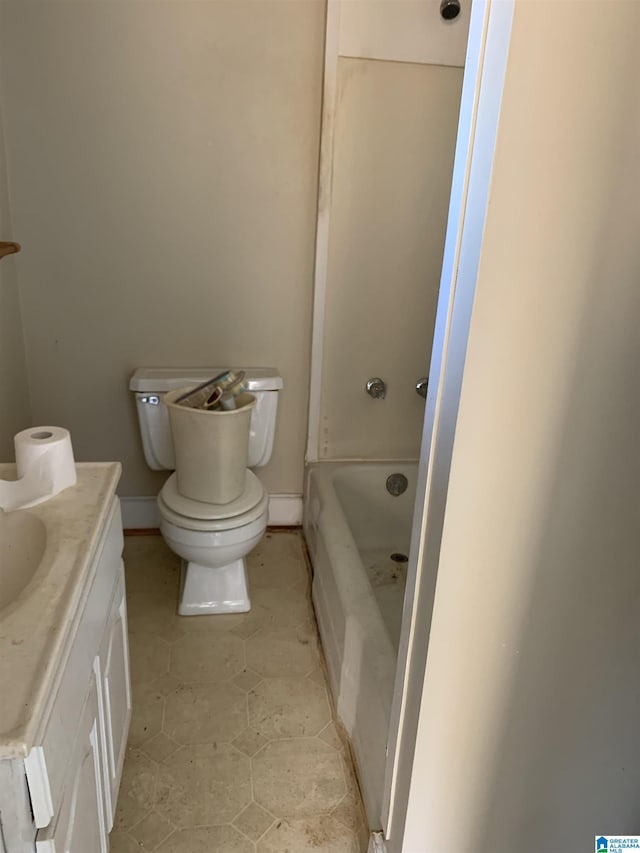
(247, 680)
(204, 713)
(121, 843)
(334, 736)
(282, 606)
(146, 719)
(298, 777)
(282, 651)
(250, 741)
(151, 566)
(288, 707)
(278, 561)
(137, 789)
(203, 785)
(254, 821)
(195, 680)
(149, 657)
(207, 839)
(160, 747)
(309, 835)
(151, 613)
(206, 658)
(151, 830)
(350, 812)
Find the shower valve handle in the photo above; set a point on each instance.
(376, 388)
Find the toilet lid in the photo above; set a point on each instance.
(253, 493)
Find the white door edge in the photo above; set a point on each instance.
(485, 67)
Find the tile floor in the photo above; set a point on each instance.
(233, 744)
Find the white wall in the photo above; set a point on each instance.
(14, 391)
(528, 730)
(163, 164)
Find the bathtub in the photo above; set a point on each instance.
(358, 538)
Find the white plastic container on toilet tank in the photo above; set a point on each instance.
(149, 385)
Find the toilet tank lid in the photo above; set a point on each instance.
(150, 379)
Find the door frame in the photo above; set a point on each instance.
(483, 84)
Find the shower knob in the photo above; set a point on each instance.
(376, 388)
(450, 9)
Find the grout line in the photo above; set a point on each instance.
(242, 833)
(268, 829)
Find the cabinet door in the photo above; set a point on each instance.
(116, 695)
(80, 825)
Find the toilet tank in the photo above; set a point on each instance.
(150, 384)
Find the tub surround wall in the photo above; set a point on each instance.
(392, 86)
(163, 164)
(14, 390)
(393, 156)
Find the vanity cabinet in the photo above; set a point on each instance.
(74, 771)
(79, 826)
(116, 698)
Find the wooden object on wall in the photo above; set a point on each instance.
(8, 248)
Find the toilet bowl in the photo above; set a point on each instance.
(213, 541)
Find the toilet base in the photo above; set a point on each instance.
(206, 590)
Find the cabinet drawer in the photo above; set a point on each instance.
(46, 764)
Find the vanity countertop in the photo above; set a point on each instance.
(37, 629)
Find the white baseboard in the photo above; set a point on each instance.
(139, 513)
(376, 843)
(142, 513)
(285, 510)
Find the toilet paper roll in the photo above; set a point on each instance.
(45, 466)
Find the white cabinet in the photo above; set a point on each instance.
(116, 698)
(74, 772)
(79, 826)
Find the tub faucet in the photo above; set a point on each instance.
(376, 388)
(422, 385)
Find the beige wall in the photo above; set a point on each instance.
(403, 30)
(529, 727)
(14, 392)
(163, 160)
(393, 155)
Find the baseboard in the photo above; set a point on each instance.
(377, 843)
(285, 510)
(142, 513)
(139, 513)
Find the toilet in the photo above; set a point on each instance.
(213, 540)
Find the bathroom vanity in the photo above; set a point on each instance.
(65, 697)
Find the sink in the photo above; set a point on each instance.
(23, 538)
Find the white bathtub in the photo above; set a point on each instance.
(352, 526)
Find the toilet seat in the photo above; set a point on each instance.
(195, 515)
